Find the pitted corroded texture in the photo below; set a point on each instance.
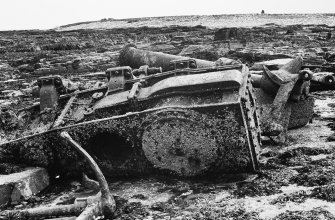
(117, 146)
(193, 132)
(233, 139)
(104, 140)
(176, 142)
(295, 114)
(264, 101)
(302, 112)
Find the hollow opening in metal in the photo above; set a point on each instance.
(110, 146)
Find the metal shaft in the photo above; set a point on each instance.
(133, 57)
(106, 196)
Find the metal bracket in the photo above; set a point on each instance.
(132, 96)
(183, 64)
(117, 77)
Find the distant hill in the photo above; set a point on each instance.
(76, 24)
(211, 21)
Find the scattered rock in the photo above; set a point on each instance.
(316, 213)
(314, 176)
(324, 192)
(226, 34)
(8, 119)
(14, 187)
(26, 68)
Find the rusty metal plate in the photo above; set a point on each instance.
(178, 143)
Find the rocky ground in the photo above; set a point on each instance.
(297, 178)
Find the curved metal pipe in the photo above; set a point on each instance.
(107, 199)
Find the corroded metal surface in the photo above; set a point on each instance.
(284, 85)
(50, 89)
(175, 141)
(322, 81)
(135, 58)
(211, 111)
(265, 101)
(301, 113)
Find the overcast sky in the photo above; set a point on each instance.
(44, 14)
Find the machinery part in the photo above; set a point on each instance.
(135, 58)
(322, 81)
(183, 64)
(301, 113)
(173, 141)
(42, 212)
(60, 118)
(107, 200)
(219, 104)
(146, 71)
(153, 79)
(186, 142)
(91, 206)
(51, 87)
(322, 77)
(252, 119)
(264, 102)
(117, 77)
(287, 84)
(284, 83)
(92, 211)
(271, 81)
(133, 93)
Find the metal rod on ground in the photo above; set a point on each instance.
(39, 212)
(59, 120)
(108, 203)
(63, 218)
(90, 212)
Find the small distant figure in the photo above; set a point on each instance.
(263, 12)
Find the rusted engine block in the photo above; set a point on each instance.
(177, 122)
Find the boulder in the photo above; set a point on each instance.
(16, 186)
(226, 34)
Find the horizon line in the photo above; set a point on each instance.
(144, 17)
